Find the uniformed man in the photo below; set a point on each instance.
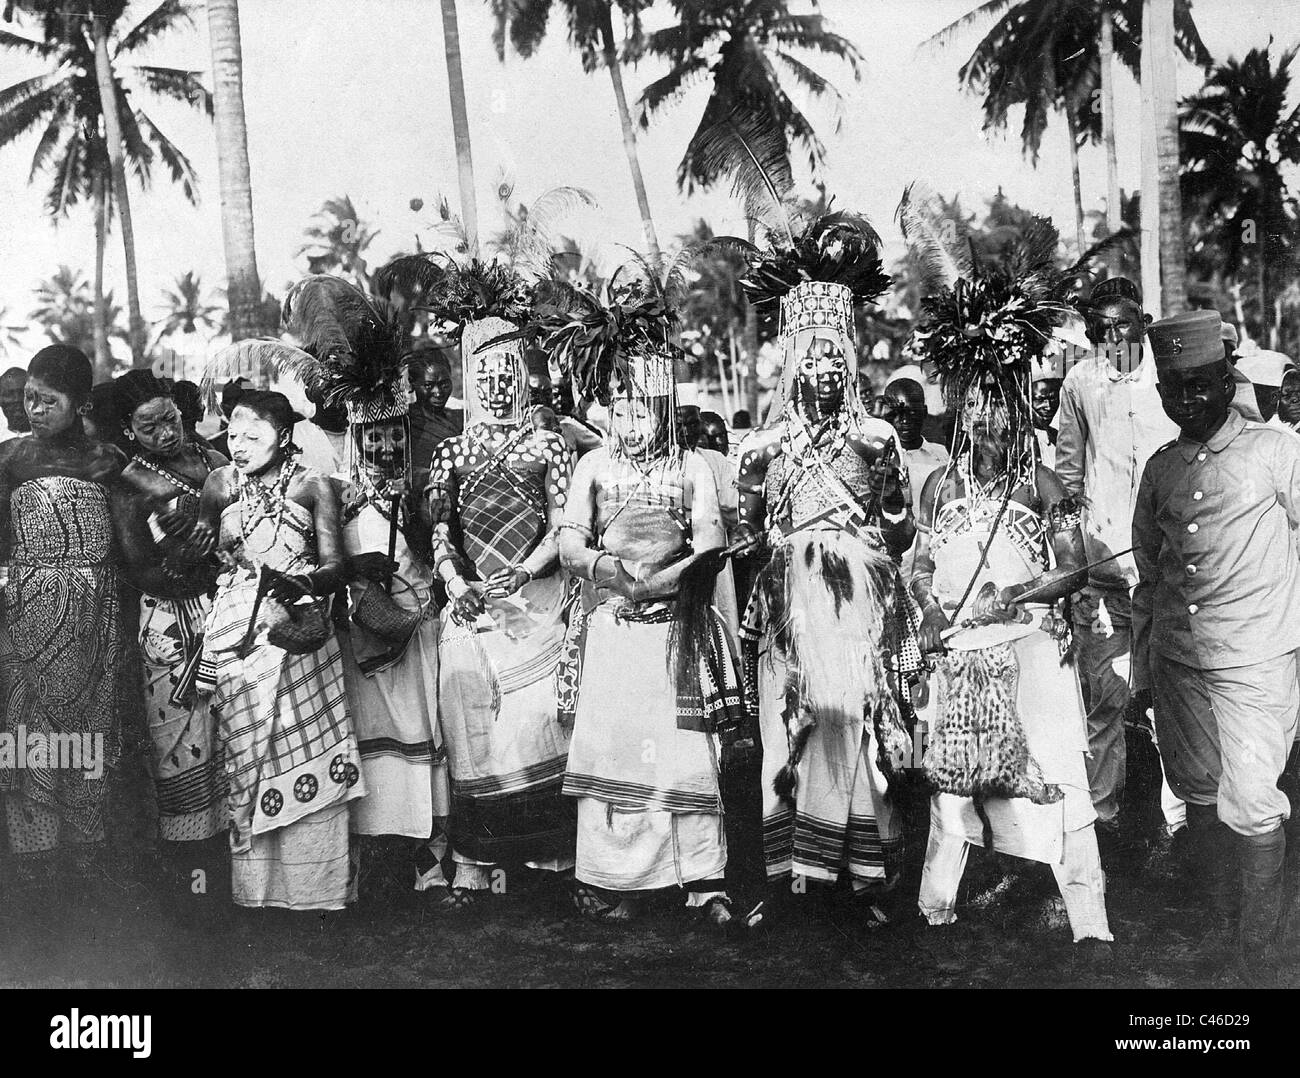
(1216, 620)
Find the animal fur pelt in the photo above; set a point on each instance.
(978, 747)
(830, 600)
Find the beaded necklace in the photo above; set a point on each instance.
(175, 480)
(254, 491)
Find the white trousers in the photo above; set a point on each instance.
(1079, 876)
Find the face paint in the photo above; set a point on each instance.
(635, 425)
(49, 411)
(823, 375)
(157, 427)
(383, 448)
(255, 444)
(498, 385)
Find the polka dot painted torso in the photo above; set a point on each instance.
(499, 485)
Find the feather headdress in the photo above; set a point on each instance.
(356, 346)
(983, 324)
(837, 248)
(476, 291)
(625, 340)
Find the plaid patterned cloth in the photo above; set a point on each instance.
(283, 727)
(502, 517)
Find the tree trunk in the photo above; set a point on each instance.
(113, 133)
(243, 285)
(1265, 327)
(103, 353)
(629, 133)
(460, 122)
(1073, 126)
(1114, 199)
(1160, 90)
(751, 351)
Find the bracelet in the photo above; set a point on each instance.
(596, 564)
(525, 570)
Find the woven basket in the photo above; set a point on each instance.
(379, 613)
(301, 628)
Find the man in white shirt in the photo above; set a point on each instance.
(907, 413)
(1109, 423)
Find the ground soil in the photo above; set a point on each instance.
(140, 925)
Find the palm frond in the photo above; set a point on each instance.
(942, 38)
(182, 172)
(676, 284)
(256, 357)
(70, 180)
(937, 240)
(166, 16)
(412, 277)
(751, 149)
(176, 84)
(26, 113)
(669, 88)
(43, 49)
(51, 137)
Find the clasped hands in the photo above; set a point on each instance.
(468, 600)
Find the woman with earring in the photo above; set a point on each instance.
(61, 648)
(283, 729)
(161, 486)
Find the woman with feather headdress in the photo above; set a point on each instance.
(648, 675)
(1005, 756)
(822, 492)
(495, 497)
(358, 362)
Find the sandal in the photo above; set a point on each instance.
(718, 912)
(587, 901)
(458, 898)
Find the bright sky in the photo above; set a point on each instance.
(351, 97)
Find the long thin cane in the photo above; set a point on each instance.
(392, 537)
(263, 582)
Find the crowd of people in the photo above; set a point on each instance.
(538, 629)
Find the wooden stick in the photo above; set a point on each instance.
(396, 504)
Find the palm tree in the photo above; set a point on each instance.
(244, 286)
(74, 149)
(187, 310)
(337, 240)
(1237, 140)
(459, 119)
(65, 309)
(591, 31)
(1047, 56)
(757, 42)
